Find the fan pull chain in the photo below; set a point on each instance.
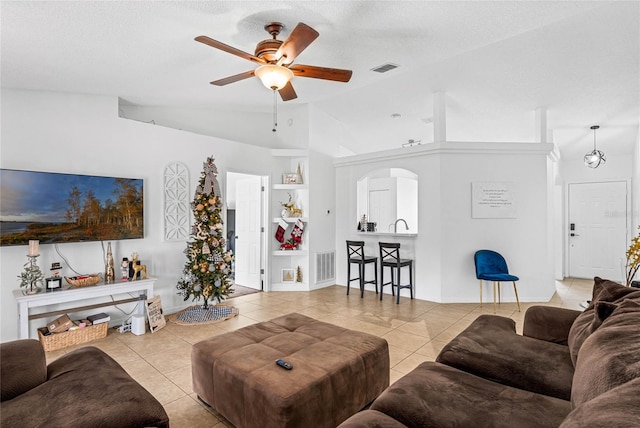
(275, 110)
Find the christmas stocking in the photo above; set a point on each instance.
(282, 226)
(296, 233)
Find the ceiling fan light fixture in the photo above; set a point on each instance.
(274, 76)
(594, 158)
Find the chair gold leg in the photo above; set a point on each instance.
(494, 297)
(515, 290)
(499, 294)
(480, 293)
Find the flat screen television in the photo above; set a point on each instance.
(55, 208)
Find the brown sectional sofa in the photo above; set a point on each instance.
(84, 388)
(568, 369)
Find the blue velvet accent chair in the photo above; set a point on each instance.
(491, 266)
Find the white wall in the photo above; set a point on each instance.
(80, 134)
(247, 127)
(616, 168)
(325, 137)
(322, 217)
(635, 184)
(448, 236)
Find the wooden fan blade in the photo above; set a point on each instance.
(335, 74)
(232, 79)
(298, 40)
(229, 49)
(287, 93)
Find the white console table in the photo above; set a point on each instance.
(26, 302)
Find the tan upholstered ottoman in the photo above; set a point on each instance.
(336, 372)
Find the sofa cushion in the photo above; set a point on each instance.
(436, 395)
(604, 294)
(617, 407)
(86, 388)
(371, 419)
(610, 356)
(491, 348)
(549, 323)
(22, 367)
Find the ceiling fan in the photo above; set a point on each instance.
(276, 60)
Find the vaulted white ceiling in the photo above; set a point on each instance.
(496, 62)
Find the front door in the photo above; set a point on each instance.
(597, 229)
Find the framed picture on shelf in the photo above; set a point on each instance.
(291, 178)
(288, 275)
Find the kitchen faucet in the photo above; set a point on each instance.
(395, 225)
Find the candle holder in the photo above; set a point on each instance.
(32, 275)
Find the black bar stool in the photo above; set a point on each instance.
(390, 257)
(355, 254)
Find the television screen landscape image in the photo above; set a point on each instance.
(56, 208)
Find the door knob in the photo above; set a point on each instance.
(574, 234)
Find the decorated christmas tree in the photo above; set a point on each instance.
(206, 272)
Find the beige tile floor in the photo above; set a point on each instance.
(415, 330)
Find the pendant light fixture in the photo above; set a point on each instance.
(594, 158)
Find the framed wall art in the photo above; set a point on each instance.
(288, 275)
(291, 178)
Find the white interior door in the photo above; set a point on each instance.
(597, 229)
(248, 209)
(379, 209)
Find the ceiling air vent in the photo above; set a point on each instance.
(384, 68)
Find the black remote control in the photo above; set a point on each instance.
(284, 364)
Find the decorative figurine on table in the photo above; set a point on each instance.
(362, 226)
(139, 270)
(54, 282)
(124, 269)
(109, 272)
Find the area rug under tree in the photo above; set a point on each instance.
(197, 315)
(240, 290)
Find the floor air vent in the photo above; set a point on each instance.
(325, 266)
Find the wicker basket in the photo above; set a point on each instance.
(73, 337)
(84, 281)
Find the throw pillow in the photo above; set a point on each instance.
(586, 324)
(611, 355)
(605, 294)
(608, 291)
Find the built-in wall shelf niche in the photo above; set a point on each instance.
(294, 167)
(291, 219)
(290, 286)
(290, 253)
(290, 186)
